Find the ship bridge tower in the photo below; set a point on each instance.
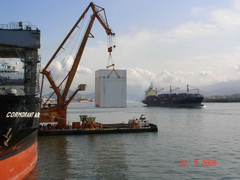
(21, 40)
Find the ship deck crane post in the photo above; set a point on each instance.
(58, 112)
(193, 89)
(173, 89)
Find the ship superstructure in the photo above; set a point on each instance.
(19, 99)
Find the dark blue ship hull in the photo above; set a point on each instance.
(157, 101)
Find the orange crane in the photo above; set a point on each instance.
(58, 112)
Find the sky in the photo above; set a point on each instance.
(167, 42)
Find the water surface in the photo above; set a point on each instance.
(185, 135)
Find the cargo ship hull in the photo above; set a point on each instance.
(19, 119)
(188, 102)
(152, 98)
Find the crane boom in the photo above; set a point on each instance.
(76, 62)
(60, 109)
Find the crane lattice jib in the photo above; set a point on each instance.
(97, 10)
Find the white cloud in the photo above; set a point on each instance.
(60, 66)
(85, 71)
(235, 4)
(168, 77)
(208, 77)
(145, 76)
(205, 73)
(56, 68)
(188, 31)
(67, 63)
(188, 73)
(142, 73)
(198, 11)
(226, 17)
(237, 67)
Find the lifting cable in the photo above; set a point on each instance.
(110, 62)
(77, 34)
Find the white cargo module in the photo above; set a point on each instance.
(110, 88)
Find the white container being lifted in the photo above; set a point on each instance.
(110, 88)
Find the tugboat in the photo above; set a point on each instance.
(19, 99)
(152, 98)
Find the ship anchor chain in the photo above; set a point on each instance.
(5, 138)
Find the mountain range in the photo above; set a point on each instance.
(221, 89)
(218, 89)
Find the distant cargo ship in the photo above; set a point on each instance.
(172, 99)
(19, 99)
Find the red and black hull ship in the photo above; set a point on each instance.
(19, 119)
(19, 99)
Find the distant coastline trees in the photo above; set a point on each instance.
(230, 98)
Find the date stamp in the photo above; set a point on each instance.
(184, 162)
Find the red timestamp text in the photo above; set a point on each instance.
(184, 162)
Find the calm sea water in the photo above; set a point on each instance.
(190, 144)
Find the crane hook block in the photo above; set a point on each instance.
(110, 49)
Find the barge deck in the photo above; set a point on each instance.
(89, 126)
